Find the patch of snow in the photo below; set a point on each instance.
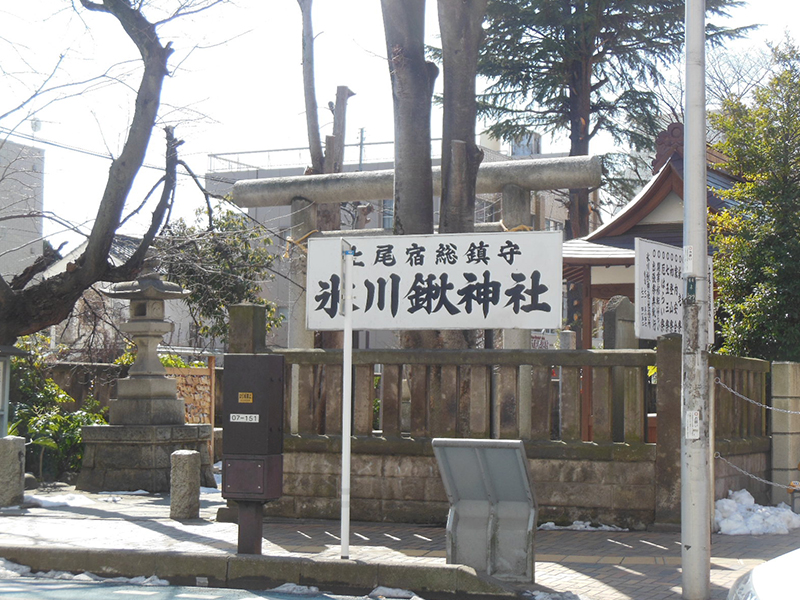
(58, 500)
(554, 595)
(209, 490)
(125, 493)
(293, 588)
(579, 526)
(738, 514)
(9, 570)
(387, 592)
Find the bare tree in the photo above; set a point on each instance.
(460, 26)
(412, 91)
(40, 304)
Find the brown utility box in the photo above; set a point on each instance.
(252, 430)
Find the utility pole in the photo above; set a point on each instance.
(695, 418)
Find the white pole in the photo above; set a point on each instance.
(695, 455)
(347, 401)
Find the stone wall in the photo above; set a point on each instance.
(399, 481)
(194, 387)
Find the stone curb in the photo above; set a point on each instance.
(263, 572)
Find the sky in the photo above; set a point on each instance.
(235, 85)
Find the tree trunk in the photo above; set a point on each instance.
(580, 100)
(460, 25)
(309, 89)
(412, 90)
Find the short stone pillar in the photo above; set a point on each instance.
(12, 470)
(184, 494)
(785, 427)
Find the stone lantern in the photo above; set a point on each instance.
(146, 419)
(147, 396)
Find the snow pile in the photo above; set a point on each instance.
(579, 526)
(293, 588)
(738, 514)
(58, 500)
(10, 570)
(387, 592)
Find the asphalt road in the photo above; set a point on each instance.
(29, 588)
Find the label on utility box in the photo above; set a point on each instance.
(244, 418)
(245, 397)
(692, 425)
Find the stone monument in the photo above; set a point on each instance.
(146, 420)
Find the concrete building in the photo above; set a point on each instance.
(21, 201)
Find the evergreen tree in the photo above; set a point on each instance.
(583, 66)
(756, 267)
(222, 264)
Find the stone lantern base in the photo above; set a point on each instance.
(137, 457)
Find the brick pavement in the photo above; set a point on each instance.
(599, 565)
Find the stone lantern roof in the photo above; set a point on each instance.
(147, 287)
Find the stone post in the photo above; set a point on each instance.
(668, 449)
(304, 222)
(247, 328)
(618, 333)
(184, 491)
(618, 318)
(516, 212)
(785, 427)
(12, 470)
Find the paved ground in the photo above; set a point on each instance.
(595, 564)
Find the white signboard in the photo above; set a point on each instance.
(448, 281)
(244, 418)
(659, 290)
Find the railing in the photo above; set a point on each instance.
(527, 394)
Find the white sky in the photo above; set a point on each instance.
(237, 85)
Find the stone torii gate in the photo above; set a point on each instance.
(514, 179)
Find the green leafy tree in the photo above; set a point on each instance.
(756, 267)
(222, 263)
(584, 67)
(45, 414)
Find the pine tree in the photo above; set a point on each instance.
(583, 66)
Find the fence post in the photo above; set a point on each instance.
(785, 427)
(668, 448)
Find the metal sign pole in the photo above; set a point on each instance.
(695, 452)
(347, 399)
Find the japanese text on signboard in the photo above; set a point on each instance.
(659, 290)
(459, 281)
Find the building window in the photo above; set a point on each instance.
(552, 225)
